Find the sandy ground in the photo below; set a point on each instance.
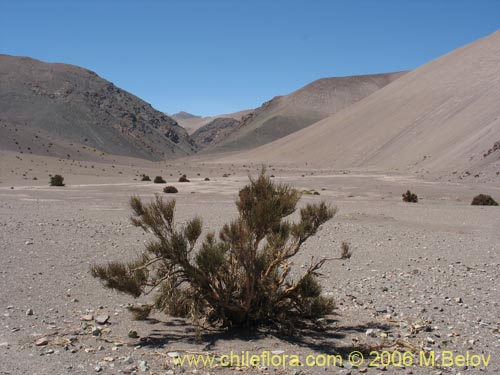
(422, 276)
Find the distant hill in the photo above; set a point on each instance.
(443, 118)
(51, 109)
(214, 131)
(192, 122)
(184, 116)
(289, 113)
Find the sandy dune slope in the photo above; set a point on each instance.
(286, 114)
(443, 116)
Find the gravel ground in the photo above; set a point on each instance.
(423, 277)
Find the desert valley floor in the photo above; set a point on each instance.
(422, 276)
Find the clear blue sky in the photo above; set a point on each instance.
(209, 57)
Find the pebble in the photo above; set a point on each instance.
(143, 366)
(96, 331)
(41, 341)
(98, 369)
(87, 317)
(102, 319)
(29, 312)
(133, 334)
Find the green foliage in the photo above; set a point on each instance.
(240, 277)
(484, 200)
(57, 180)
(170, 189)
(410, 197)
(159, 180)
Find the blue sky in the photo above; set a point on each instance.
(210, 57)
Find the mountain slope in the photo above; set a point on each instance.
(215, 130)
(443, 116)
(287, 114)
(60, 105)
(192, 122)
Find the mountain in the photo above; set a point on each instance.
(289, 113)
(211, 133)
(49, 109)
(442, 117)
(192, 122)
(184, 115)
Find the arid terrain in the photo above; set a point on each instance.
(423, 278)
(423, 275)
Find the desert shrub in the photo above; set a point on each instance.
(207, 179)
(159, 180)
(170, 189)
(57, 180)
(183, 178)
(410, 197)
(145, 178)
(483, 200)
(240, 277)
(345, 253)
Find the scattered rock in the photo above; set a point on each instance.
(29, 312)
(143, 366)
(133, 334)
(102, 319)
(42, 341)
(87, 317)
(96, 331)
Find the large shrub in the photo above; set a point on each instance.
(483, 200)
(240, 277)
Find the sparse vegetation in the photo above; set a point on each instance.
(183, 178)
(143, 178)
(159, 180)
(345, 252)
(57, 180)
(410, 197)
(170, 189)
(483, 200)
(207, 179)
(240, 277)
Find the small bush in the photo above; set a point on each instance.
(170, 190)
(240, 277)
(410, 197)
(145, 178)
(207, 179)
(345, 253)
(159, 180)
(57, 180)
(483, 200)
(183, 178)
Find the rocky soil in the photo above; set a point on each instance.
(422, 277)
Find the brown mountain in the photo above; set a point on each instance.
(443, 117)
(46, 108)
(289, 113)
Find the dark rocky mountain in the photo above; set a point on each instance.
(45, 104)
(213, 132)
